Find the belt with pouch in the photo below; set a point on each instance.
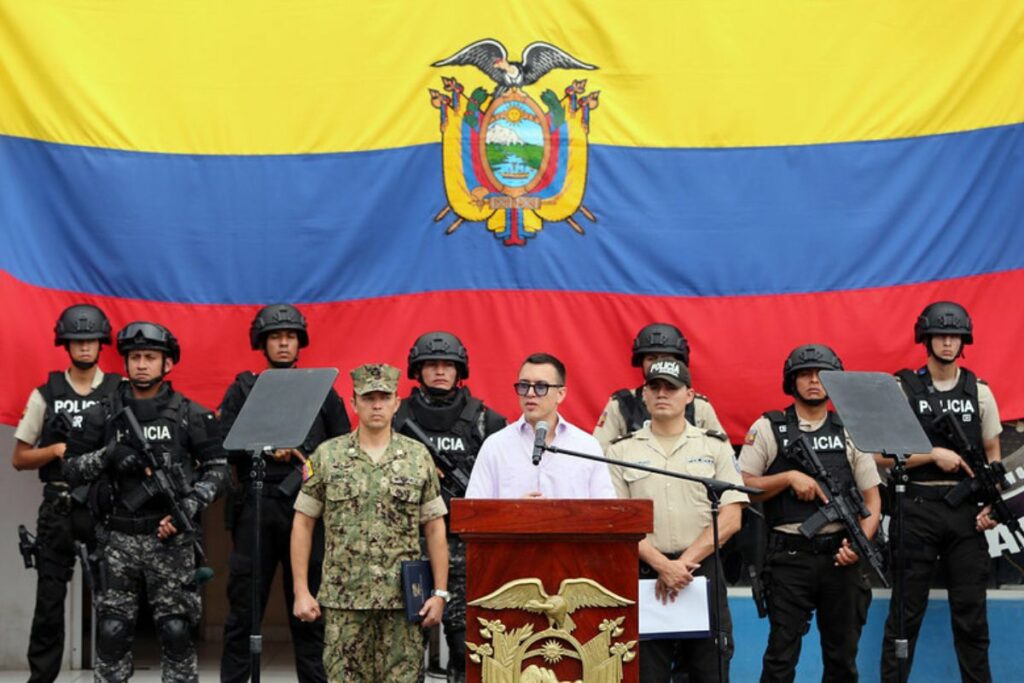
(648, 572)
(928, 492)
(821, 544)
(146, 524)
(59, 495)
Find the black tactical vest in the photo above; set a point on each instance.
(634, 412)
(61, 397)
(928, 403)
(457, 427)
(829, 442)
(165, 424)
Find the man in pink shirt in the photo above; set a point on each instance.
(504, 467)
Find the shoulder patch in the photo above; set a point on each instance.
(601, 420)
(750, 438)
(307, 470)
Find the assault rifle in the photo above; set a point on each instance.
(59, 424)
(171, 485)
(456, 480)
(846, 507)
(989, 477)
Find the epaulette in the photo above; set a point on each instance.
(714, 433)
(623, 437)
(701, 396)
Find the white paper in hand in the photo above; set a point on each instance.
(686, 617)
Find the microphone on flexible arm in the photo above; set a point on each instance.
(540, 435)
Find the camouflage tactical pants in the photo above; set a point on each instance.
(371, 646)
(130, 563)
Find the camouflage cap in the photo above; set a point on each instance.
(374, 377)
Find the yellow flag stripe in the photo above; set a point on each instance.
(271, 77)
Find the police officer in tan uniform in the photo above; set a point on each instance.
(821, 574)
(626, 412)
(681, 546)
(375, 489)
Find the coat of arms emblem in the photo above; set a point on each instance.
(510, 161)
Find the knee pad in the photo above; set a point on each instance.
(175, 637)
(113, 637)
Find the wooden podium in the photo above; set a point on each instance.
(551, 588)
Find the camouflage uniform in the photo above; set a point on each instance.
(135, 563)
(184, 434)
(372, 512)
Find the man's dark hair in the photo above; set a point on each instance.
(547, 359)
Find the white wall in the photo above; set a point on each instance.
(20, 495)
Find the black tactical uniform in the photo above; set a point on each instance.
(282, 481)
(455, 424)
(800, 574)
(936, 533)
(133, 561)
(63, 517)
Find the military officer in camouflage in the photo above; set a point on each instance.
(374, 488)
(626, 412)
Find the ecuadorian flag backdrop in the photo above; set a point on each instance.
(762, 174)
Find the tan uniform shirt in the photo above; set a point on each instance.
(30, 427)
(611, 425)
(372, 512)
(681, 508)
(760, 450)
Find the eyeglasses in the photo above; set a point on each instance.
(539, 389)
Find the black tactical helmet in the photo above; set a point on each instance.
(81, 321)
(145, 335)
(943, 317)
(660, 338)
(438, 346)
(277, 317)
(807, 357)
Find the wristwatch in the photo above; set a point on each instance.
(444, 595)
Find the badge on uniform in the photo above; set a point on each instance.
(750, 438)
(307, 470)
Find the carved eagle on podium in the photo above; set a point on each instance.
(573, 594)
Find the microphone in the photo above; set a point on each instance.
(541, 433)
